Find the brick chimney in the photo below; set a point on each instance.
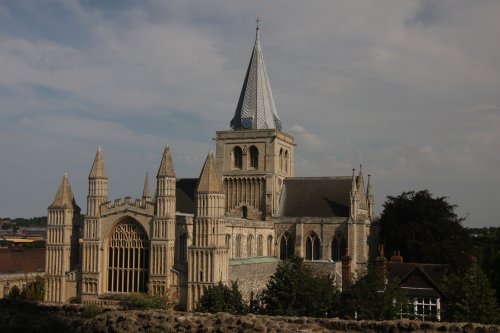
(396, 257)
(381, 267)
(346, 270)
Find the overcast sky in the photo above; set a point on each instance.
(409, 89)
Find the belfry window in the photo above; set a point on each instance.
(237, 157)
(254, 157)
(286, 247)
(339, 245)
(313, 247)
(281, 159)
(128, 258)
(285, 162)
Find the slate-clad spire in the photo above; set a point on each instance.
(98, 168)
(256, 109)
(166, 166)
(146, 194)
(64, 196)
(209, 180)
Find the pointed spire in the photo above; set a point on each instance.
(209, 180)
(354, 187)
(256, 109)
(146, 194)
(369, 191)
(64, 196)
(166, 166)
(361, 182)
(98, 168)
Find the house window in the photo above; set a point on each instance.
(421, 308)
(237, 157)
(254, 157)
(312, 247)
(339, 245)
(286, 247)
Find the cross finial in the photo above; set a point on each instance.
(257, 21)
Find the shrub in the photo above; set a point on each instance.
(34, 291)
(90, 311)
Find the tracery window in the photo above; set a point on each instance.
(237, 157)
(286, 247)
(313, 247)
(339, 245)
(254, 157)
(128, 258)
(260, 246)
(250, 246)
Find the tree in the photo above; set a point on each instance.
(469, 297)
(370, 298)
(294, 291)
(425, 229)
(35, 290)
(221, 298)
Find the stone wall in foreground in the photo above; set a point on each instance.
(32, 317)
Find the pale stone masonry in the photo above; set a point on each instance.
(237, 221)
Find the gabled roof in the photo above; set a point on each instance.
(166, 166)
(64, 196)
(256, 107)
(418, 279)
(316, 197)
(209, 180)
(98, 168)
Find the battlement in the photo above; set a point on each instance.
(139, 206)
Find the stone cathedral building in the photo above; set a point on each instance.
(237, 221)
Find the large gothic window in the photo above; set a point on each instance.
(254, 157)
(128, 258)
(237, 157)
(313, 247)
(339, 245)
(286, 247)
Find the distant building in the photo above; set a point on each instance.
(236, 221)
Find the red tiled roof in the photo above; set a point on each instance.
(22, 260)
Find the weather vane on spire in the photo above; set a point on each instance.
(257, 20)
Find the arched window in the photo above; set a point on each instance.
(339, 245)
(260, 246)
(270, 245)
(237, 157)
(228, 238)
(128, 258)
(244, 212)
(313, 247)
(281, 159)
(285, 162)
(238, 247)
(254, 157)
(250, 246)
(183, 247)
(286, 247)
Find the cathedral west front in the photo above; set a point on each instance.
(243, 215)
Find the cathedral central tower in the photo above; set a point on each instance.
(255, 156)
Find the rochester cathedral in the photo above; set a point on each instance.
(243, 215)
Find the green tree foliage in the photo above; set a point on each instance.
(425, 229)
(34, 291)
(371, 298)
(221, 298)
(487, 243)
(141, 301)
(469, 297)
(294, 291)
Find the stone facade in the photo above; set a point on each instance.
(244, 214)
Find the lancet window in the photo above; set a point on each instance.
(254, 157)
(286, 247)
(313, 247)
(339, 245)
(237, 157)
